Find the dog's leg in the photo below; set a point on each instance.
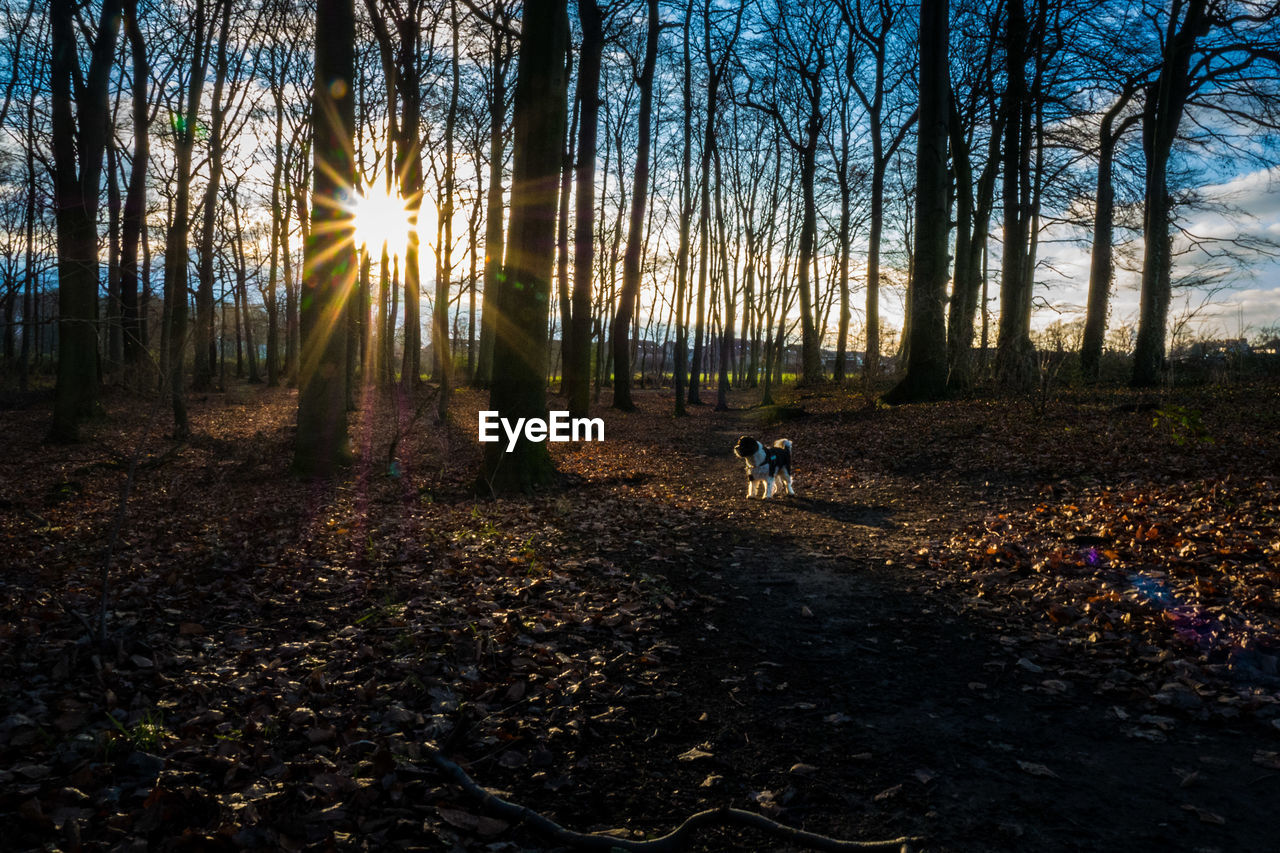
(768, 487)
(786, 478)
(751, 488)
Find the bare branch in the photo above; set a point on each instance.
(678, 839)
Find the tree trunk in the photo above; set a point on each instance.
(205, 347)
(409, 167)
(440, 313)
(77, 181)
(175, 256)
(631, 274)
(493, 237)
(680, 365)
(810, 346)
(1166, 98)
(926, 377)
(577, 356)
(242, 286)
(845, 238)
(970, 276)
(964, 289)
(29, 325)
(115, 331)
(291, 332)
(730, 294)
(1100, 264)
(562, 236)
(473, 249)
(519, 358)
(329, 266)
(134, 220)
(1015, 356)
(278, 219)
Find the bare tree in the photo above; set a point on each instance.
(1115, 121)
(404, 55)
(500, 54)
(134, 217)
(926, 376)
(804, 44)
(80, 113)
(635, 231)
(330, 259)
(974, 109)
(576, 336)
(1204, 45)
(873, 24)
(519, 358)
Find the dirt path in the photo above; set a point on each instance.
(833, 685)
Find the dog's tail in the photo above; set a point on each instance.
(783, 442)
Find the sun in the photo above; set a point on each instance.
(380, 217)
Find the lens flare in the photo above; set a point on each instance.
(380, 217)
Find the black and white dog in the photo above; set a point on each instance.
(765, 465)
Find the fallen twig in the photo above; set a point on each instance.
(678, 839)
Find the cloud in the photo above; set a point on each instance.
(1254, 195)
(1243, 214)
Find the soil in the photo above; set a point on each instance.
(800, 657)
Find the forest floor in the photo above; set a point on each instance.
(993, 624)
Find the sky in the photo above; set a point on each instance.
(1248, 301)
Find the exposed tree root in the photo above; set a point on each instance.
(678, 839)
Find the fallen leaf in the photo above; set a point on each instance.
(1205, 815)
(1037, 769)
(1267, 758)
(693, 754)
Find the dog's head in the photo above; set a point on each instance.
(746, 448)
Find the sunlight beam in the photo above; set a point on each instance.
(381, 217)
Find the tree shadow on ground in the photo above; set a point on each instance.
(848, 513)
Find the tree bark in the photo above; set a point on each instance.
(29, 325)
(408, 166)
(974, 202)
(242, 287)
(278, 218)
(205, 346)
(520, 363)
(631, 273)
(926, 377)
(440, 310)
(577, 357)
(134, 220)
(176, 268)
(1015, 356)
(1100, 262)
(810, 346)
(329, 266)
(680, 366)
(114, 330)
(1162, 113)
(493, 236)
(77, 154)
